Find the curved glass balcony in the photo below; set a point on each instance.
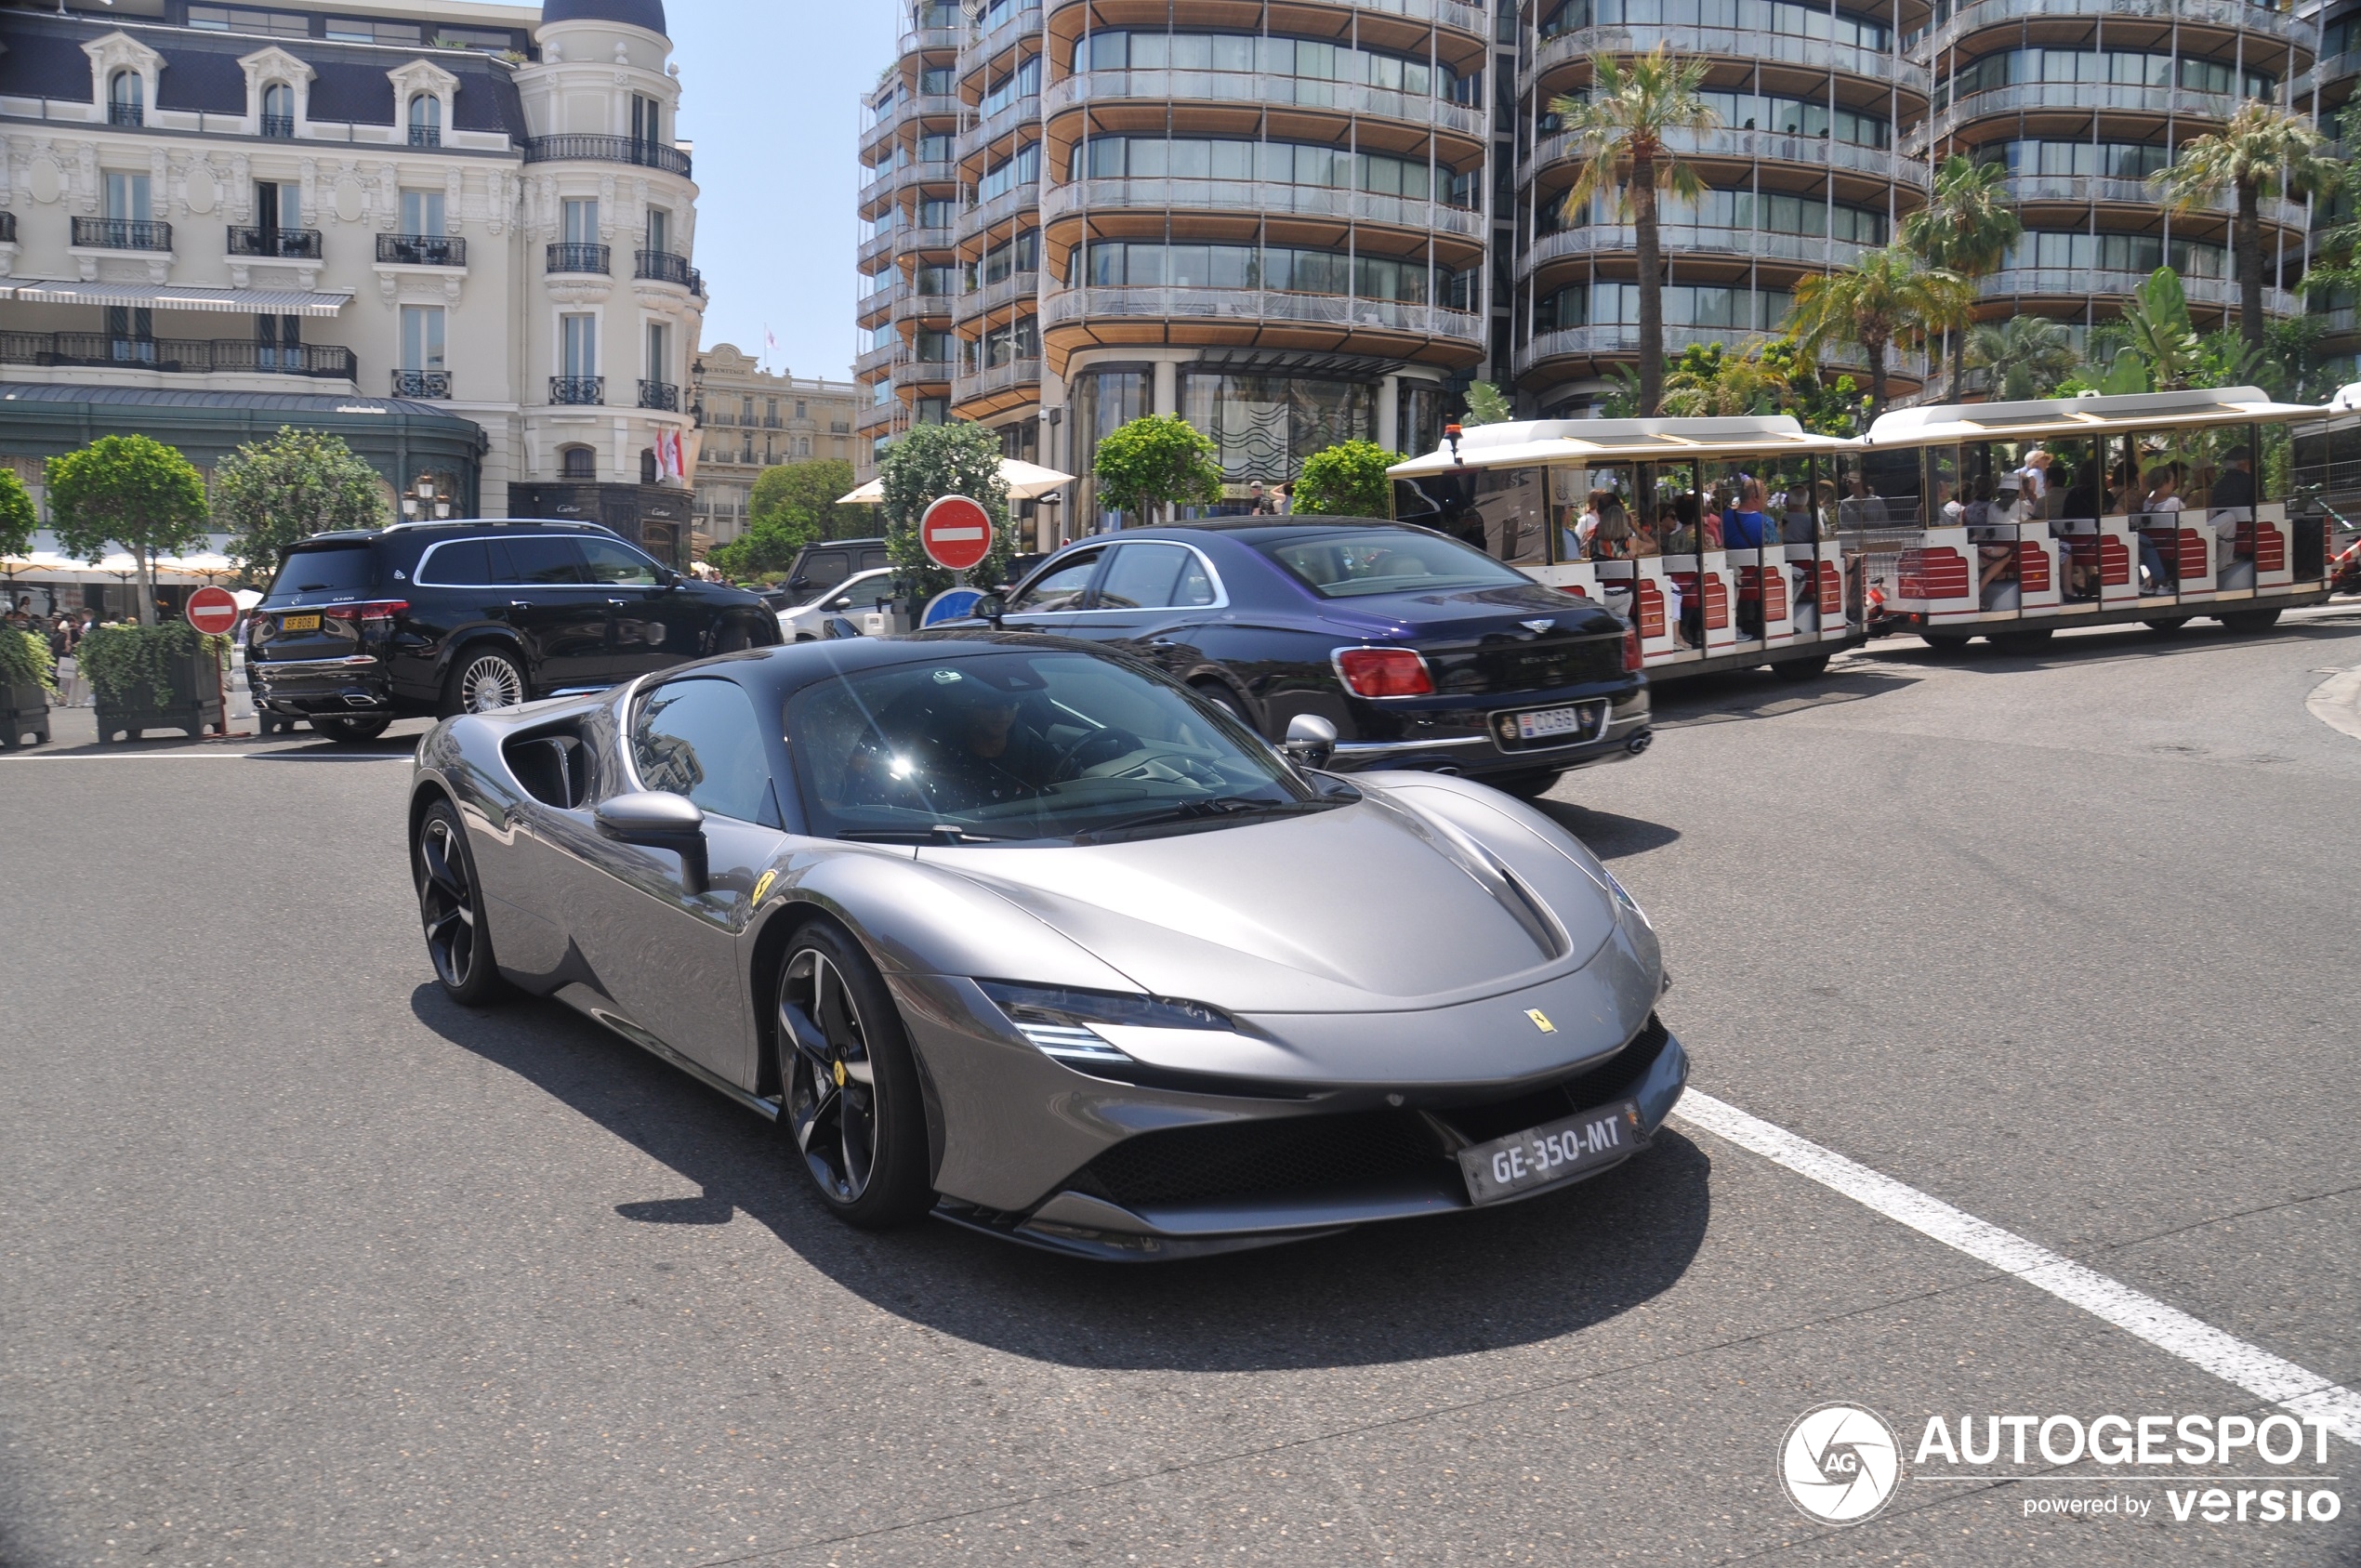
(1258, 88)
(1277, 198)
(1812, 251)
(1231, 306)
(1577, 44)
(1979, 16)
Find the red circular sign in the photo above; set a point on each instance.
(957, 532)
(213, 610)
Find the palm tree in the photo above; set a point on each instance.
(2260, 152)
(1966, 228)
(1884, 298)
(1618, 132)
(2029, 352)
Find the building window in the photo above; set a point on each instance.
(582, 220)
(128, 199)
(659, 351)
(659, 231)
(422, 329)
(1265, 425)
(278, 342)
(800, 412)
(646, 465)
(126, 100)
(239, 19)
(745, 447)
(577, 462)
(803, 447)
(278, 204)
(579, 336)
(277, 110)
(422, 212)
(425, 121)
(646, 119)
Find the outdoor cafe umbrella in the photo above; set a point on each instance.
(1027, 481)
(208, 564)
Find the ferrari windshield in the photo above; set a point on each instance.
(1023, 744)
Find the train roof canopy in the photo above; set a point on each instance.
(1937, 423)
(1521, 441)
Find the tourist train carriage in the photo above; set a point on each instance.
(2009, 520)
(1517, 491)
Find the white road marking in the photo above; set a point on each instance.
(2168, 1328)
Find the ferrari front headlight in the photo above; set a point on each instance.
(1081, 1028)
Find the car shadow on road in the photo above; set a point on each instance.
(1607, 836)
(1407, 1291)
(1736, 695)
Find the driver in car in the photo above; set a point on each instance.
(969, 750)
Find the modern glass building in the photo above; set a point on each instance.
(1293, 221)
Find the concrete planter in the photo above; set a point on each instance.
(195, 706)
(24, 710)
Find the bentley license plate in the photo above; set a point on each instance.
(1556, 723)
(299, 622)
(1545, 1156)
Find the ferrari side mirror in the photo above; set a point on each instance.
(1311, 740)
(657, 820)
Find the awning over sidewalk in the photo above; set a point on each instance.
(181, 296)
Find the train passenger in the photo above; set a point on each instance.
(1611, 535)
(2162, 505)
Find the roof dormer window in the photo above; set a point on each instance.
(278, 110)
(126, 100)
(425, 121)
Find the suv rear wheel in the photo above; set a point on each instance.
(483, 680)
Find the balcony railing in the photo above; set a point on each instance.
(578, 389)
(662, 265)
(431, 385)
(607, 150)
(1579, 45)
(120, 233)
(287, 245)
(2227, 14)
(1811, 252)
(565, 257)
(421, 250)
(279, 128)
(1827, 152)
(661, 395)
(1233, 306)
(1621, 340)
(178, 356)
(1252, 87)
(925, 372)
(1260, 196)
(131, 114)
(973, 382)
(1014, 288)
(426, 135)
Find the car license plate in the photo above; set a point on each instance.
(299, 622)
(1545, 1156)
(1557, 724)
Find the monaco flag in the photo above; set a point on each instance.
(671, 468)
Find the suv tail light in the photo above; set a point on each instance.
(1383, 672)
(1633, 660)
(371, 615)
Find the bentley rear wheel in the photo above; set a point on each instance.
(851, 1098)
(451, 907)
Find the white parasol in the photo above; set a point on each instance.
(1027, 481)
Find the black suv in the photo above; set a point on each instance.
(453, 617)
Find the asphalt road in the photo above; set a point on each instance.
(300, 1265)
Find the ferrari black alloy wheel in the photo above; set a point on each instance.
(851, 1091)
(452, 910)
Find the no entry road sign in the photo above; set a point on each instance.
(957, 532)
(213, 610)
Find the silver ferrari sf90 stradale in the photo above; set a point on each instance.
(1019, 932)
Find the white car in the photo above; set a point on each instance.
(802, 623)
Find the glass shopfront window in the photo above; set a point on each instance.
(1263, 426)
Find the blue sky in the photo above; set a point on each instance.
(771, 93)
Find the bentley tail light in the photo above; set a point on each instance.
(1383, 672)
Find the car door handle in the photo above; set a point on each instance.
(519, 605)
(618, 601)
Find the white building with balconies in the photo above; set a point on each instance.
(457, 233)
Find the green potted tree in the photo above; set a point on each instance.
(144, 497)
(928, 463)
(1155, 464)
(26, 683)
(1348, 480)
